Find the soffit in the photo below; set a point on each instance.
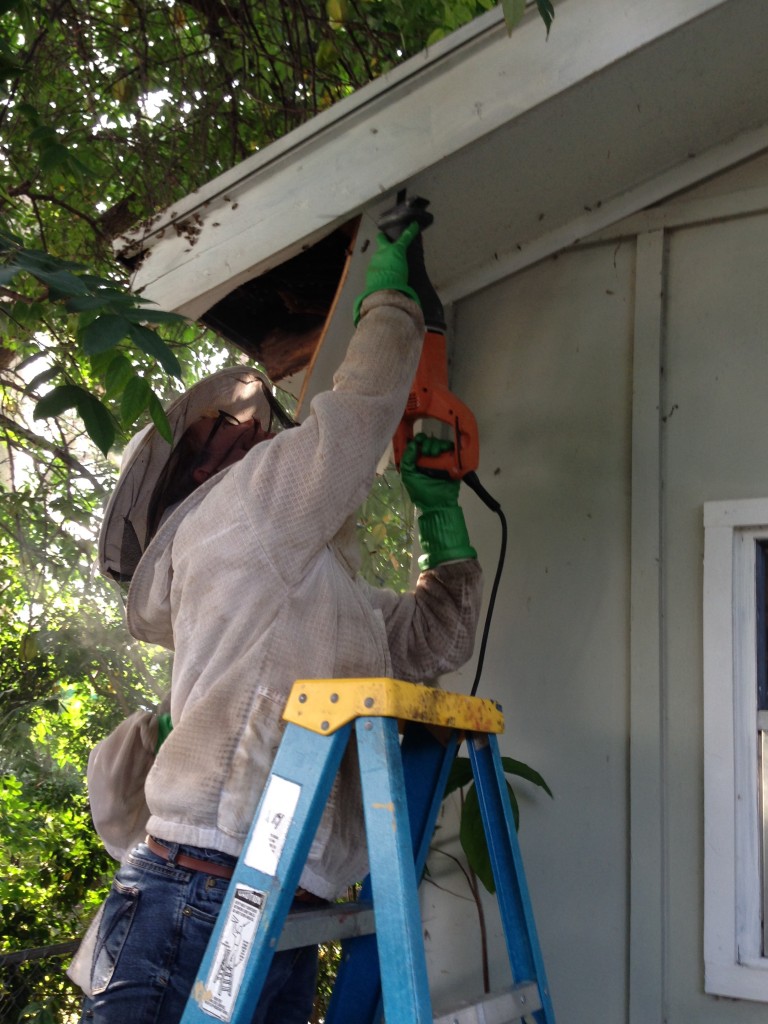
(523, 145)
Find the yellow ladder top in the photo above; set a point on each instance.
(324, 705)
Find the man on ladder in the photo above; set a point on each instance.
(242, 558)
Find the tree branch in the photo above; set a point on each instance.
(24, 190)
(10, 426)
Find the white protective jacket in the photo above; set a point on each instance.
(252, 582)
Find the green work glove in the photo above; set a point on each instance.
(442, 530)
(164, 729)
(388, 269)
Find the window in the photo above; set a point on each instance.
(736, 748)
(761, 624)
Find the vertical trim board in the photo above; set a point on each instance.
(646, 794)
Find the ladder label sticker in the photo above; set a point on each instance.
(232, 952)
(276, 813)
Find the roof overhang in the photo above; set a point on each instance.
(523, 145)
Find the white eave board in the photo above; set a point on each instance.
(512, 138)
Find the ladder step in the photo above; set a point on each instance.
(327, 924)
(513, 1004)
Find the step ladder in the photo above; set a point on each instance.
(383, 964)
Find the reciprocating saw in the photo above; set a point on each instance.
(430, 398)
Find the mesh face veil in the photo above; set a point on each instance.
(152, 477)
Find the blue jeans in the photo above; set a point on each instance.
(157, 920)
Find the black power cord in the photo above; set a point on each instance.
(472, 481)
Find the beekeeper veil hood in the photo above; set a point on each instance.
(238, 391)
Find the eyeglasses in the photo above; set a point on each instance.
(278, 418)
(222, 418)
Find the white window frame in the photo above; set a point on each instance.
(733, 944)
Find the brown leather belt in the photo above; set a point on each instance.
(211, 867)
(208, 867)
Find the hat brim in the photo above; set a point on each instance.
(236, 390)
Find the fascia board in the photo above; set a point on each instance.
(437, 103)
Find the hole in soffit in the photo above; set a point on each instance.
(279, 317)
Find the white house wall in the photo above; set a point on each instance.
(618, 387)
(544, 359)
(716, 369)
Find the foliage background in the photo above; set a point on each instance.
(109, 111)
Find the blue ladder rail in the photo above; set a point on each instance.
(402, 786)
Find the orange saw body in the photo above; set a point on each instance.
(431, 399)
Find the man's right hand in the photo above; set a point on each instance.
(425, 491)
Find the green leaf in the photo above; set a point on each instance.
(60, 283)
(34, 260)
(326, 53)
(42, 134)
(104, 333)
(524, 771)
(159, 418)
(28, 646)
(472, 840)
(31, 1008)
(106, 299)
(53, 156)
(29, 112)
(56, 274)
(94, 281)
(98, 422)
(27, 314)
(78, 170)
(63, 397)
(153, 345)
(337, 11)
(42, 378)
(461, 774)
(547, 12)
(513, 12)
(100, 362)
(9, 66)
(118, 374)
(96, 417)
(153, 316)
(471, 832)
(135, 399)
